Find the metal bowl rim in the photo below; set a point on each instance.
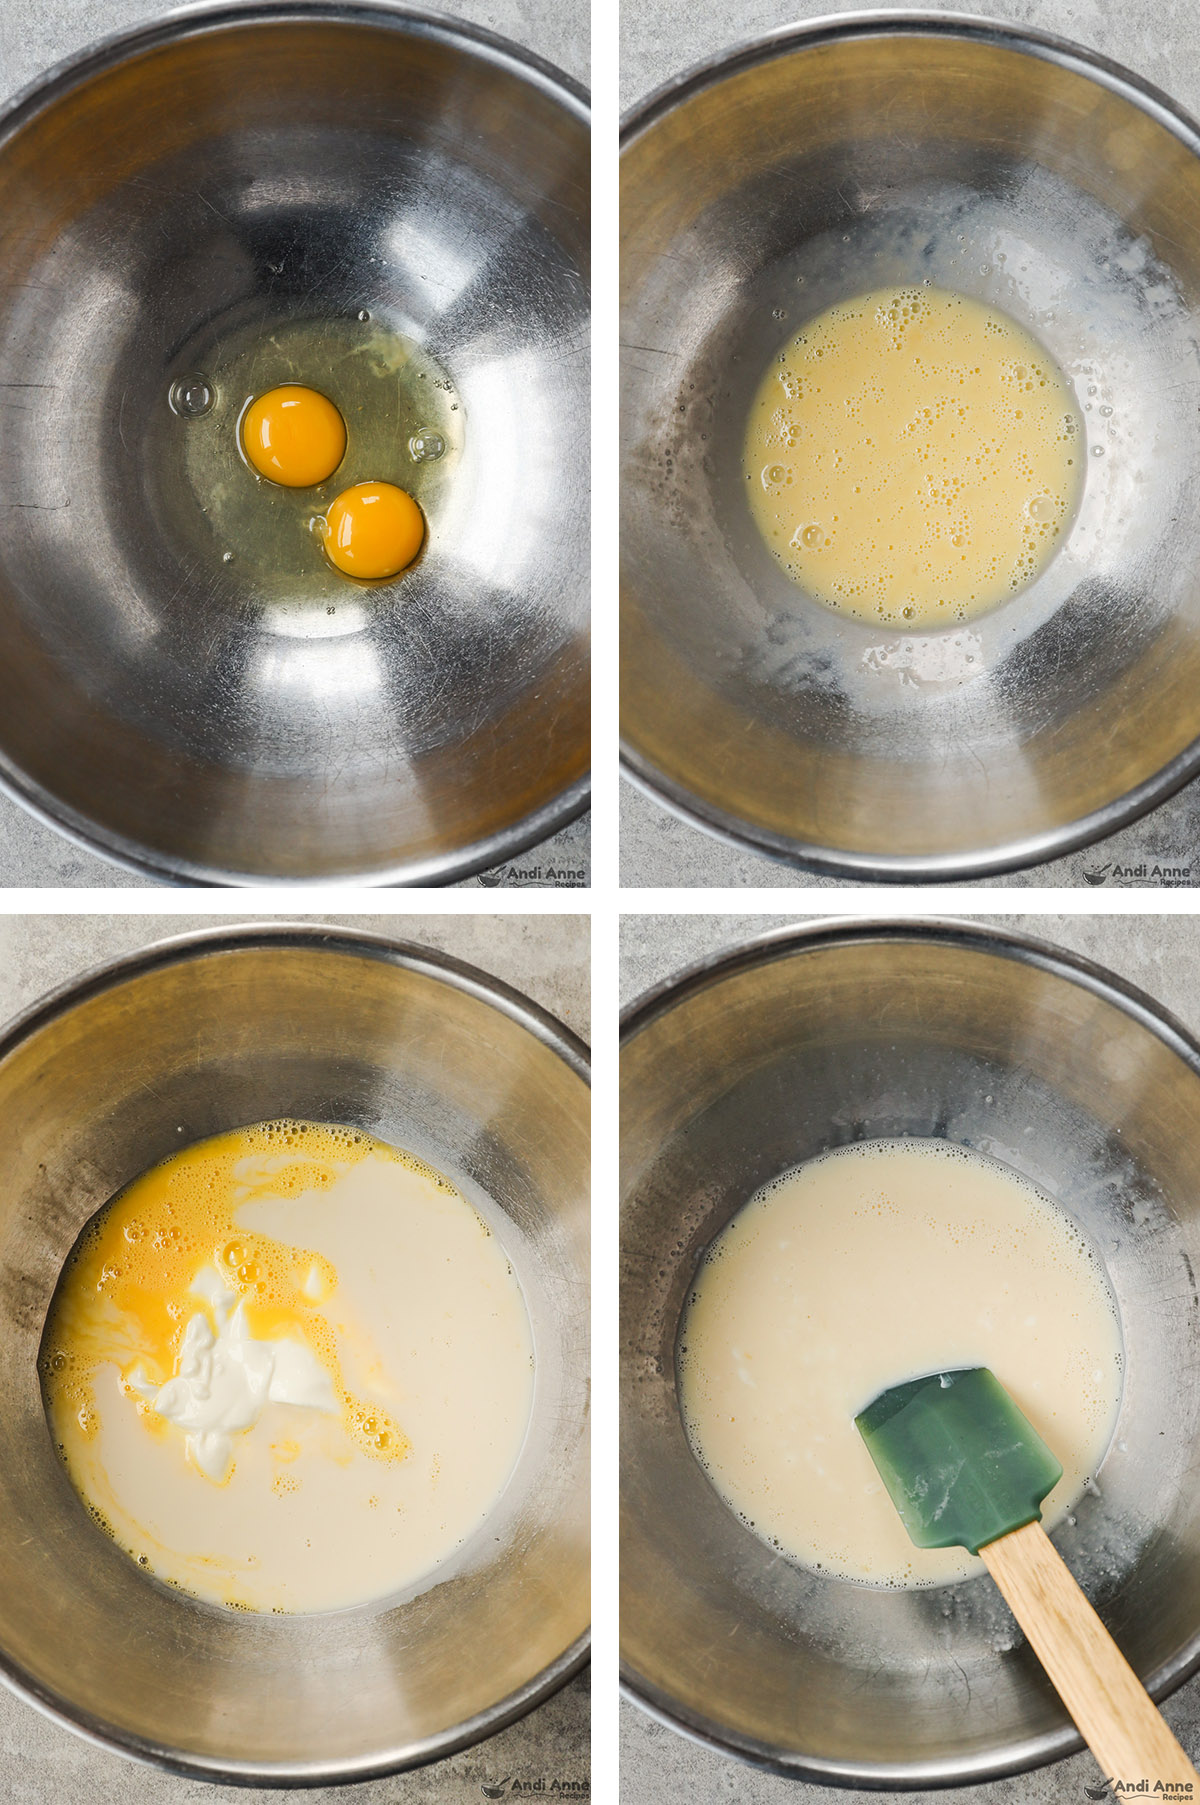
(909, 22)
(122, 46)
(841, 862)
(409, 956)
(911, 868)
(202, 16)
(185, 874)
(792, 940)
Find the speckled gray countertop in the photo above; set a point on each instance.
(546, 957)
(658, 1767)
(36, 34)
(1157, 39)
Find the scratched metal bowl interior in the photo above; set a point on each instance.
(1027, 174)
(393, 210)
(188, 1039)
(764, 1058)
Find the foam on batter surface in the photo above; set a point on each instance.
(913, 457)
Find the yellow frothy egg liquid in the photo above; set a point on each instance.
(913, 457)
(380, 1278)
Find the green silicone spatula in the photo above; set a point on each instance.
(966, 1469)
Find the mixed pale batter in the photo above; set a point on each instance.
(913, 457)
(289, 1369)
(874, 1264)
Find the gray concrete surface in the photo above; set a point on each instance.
(546, 957)
(1157, 39)
(659, 1767)
(33, 37)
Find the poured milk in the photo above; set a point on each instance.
(874, 1264)
(913, 456)
(289, 1369)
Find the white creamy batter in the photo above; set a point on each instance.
(874, 1264)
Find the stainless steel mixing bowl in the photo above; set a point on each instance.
(214, 177)
(1009, 166)
(804, 1040)
(205, 1033)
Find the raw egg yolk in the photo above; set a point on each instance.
(294, 436)
(373, 530)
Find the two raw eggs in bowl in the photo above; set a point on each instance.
(296, 437)
(194, 686)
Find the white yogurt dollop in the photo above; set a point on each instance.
(226, 1378)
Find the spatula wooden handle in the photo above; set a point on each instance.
(1114, 1713)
